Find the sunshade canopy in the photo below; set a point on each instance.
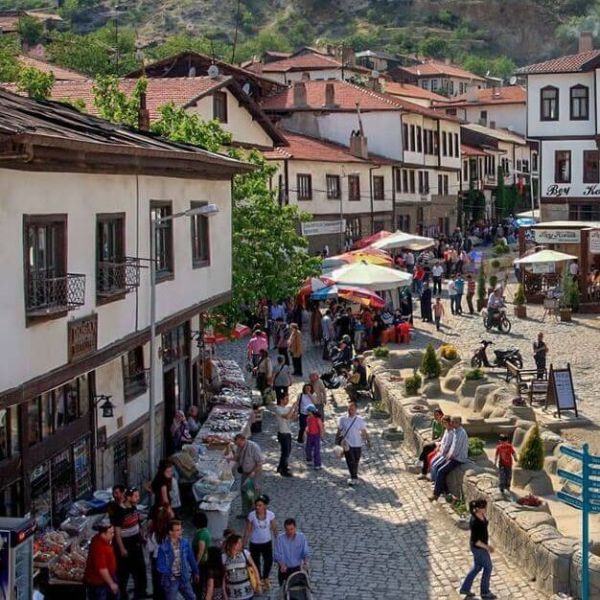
(399, 239)
(367, 241)
(370, 276)
(544, 256)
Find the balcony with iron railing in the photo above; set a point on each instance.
(47, 296)
(117, 278)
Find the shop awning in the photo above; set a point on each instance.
(370, 239)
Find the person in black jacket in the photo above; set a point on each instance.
(481, 549)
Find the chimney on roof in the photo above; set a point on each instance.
(492, 124)
(300, 94)
(374, 83)
(258, 67)
(348, 57)
(330, 95)
(586, 41)
(143, 114)
(447, 61)
(358, 145)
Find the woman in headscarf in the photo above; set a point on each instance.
(426, 313)
(179, 431)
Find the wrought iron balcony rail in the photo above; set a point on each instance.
(117, 277)
(46, 295)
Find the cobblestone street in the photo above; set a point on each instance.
(382, 539)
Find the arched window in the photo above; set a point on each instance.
(580, 103)
(549, 103)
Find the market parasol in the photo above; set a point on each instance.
(544, 257)
(359, 295)
(399, 239)
(374, 277)
(367, 241)
(370, 255)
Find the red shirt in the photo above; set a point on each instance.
(312, 425)
(505, 454)
(101, 556)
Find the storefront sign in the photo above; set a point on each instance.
(595, 241)
(82, 337)
(557, 236)
(323, 227)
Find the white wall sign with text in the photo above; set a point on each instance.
(323, 227)
(557, 236)
(595, 241)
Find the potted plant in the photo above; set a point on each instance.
(519, 302)
(481, 300)
(430, 365)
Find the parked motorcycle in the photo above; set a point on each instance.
(499, 320)
(501, 357)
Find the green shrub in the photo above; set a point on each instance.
(474, 375)
(532, 454)
(448, 351)
(476, 446)
(412, 384)
(519, 298)
(493, 281)
(569, 291)
(381, 352)
(430, 365)
(495, 263)
(500, 249)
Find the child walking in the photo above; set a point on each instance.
(438, 312)
(315, 431)
(505, 453)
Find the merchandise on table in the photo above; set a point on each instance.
(239, 397)
(49, 545)
(70, 565)
(224, 423)
(226, 373)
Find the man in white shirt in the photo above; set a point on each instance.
(352, 430)
(457, 455)
(327, 333)
(285, 414)
(452, 294)
(437, 272)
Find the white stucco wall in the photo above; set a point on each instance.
(82, 196)
(506, 116)
(564, 125)
(239, 121)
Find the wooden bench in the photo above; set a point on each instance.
(528, 381)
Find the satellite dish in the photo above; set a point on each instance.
(247, 89)
(213, 71)
(513, 80)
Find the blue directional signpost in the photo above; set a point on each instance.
(588, 502)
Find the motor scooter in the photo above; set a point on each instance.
(501, 357)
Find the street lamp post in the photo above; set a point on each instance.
(206, 210)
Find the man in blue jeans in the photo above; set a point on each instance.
(459, 285)
(177, 564)
(458, 454)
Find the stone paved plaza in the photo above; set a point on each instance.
(381, 540)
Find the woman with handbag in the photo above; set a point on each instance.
(264, 371)
(242, 579)
(282, 378)
(261, 528)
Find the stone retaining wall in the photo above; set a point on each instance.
(528, 536)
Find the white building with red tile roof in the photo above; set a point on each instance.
(424, 144)
(503, 107)
(440, 77)
(562, 115)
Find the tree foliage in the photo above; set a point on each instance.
(31, 30)
(35, 83)
(179, 125)
(9, 64)
(113, 104)
(430, 365)
(434, 46)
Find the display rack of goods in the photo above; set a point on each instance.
(49, 545)
(69, 566)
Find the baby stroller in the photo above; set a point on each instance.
(297, 587)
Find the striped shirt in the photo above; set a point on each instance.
(460, 446)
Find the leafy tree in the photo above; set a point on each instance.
(31, 30)
(9, 64)
(481, 289)
(35, 83)
(113, 104)
(183, 42)
(259, 44)
(102, 52)
(179, 125)
(532, 453)
(435, 47)
(430, 365)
